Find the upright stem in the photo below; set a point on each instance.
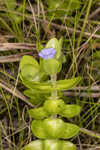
(54, 91)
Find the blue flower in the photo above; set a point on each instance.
(47, 53)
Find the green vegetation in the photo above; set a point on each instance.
(26, 27)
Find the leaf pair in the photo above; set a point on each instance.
(55, 107)
(47, 86)
(50, 145)
(53, 129)
(39, 91)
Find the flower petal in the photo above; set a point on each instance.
(47, 53)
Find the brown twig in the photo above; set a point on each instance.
(86, 91)
(71, 30)
(81, 94)
(87, 88)
(12, 46)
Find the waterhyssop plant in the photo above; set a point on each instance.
(44, 90)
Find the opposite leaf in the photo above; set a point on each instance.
(68, 146)
(70, 131)
(26, 59)
(48, 128)
(67, 84)
(29, 72)
(34, 145)
(53, 144)
(33, 85)
(54, 106)
(47, 86)
(29, 68)
(50, 144)
(38, 113)
(36, 96)
(70, 111)
(38, 129)
(54, 128)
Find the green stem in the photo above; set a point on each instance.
(54, 91)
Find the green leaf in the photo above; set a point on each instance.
(54, 106)
(52, 144)
(66, 145)
(47, 86)
(30, 93)
(58, 54)
(54, 128)
(67, 84)
(53, 4)
(29, 72)
(70, 111)
(35, 101)
(53, 43)
(29, 68)
(34, 145)
(70, 131)
(26, 59)
(38, 113)
(51, 66)
(41, 86)
(34, 94)
(37, 97)
(38, 129)
(57, 45)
